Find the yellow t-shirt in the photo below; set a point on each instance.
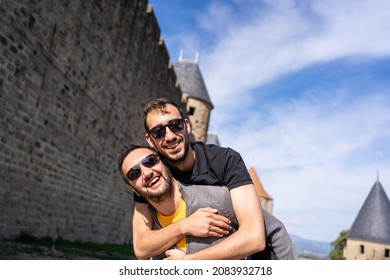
(177, 216)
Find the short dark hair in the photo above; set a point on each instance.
(159, 104)
(123, 153)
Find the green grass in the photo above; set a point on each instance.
(29, 247)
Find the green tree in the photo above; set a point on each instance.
(338, 246)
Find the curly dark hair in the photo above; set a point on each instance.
(159, 104)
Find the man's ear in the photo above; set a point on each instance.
(188, 125)
(149, 140)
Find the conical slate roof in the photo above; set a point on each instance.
(373, 220)
(191, 80)
(212, 138)
(258, 185)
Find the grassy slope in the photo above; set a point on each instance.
(28, 247)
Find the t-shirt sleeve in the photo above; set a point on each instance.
(235, 171)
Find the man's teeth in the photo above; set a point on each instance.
(173, 146)
(154, 181)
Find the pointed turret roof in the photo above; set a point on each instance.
(373, 220)
(212, 138)
(191, 80)
(258, 185)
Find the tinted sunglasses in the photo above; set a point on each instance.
(148, 161)
(174, 125)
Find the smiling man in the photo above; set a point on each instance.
(167, 130)
(171, 201)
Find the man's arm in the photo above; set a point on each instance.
(248, 239)
(147, 245)
(148, 242)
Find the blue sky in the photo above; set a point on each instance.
(302, 90)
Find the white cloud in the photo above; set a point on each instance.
(286, 37)
(318, 129)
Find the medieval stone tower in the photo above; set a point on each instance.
(369, 236)
(195, 97)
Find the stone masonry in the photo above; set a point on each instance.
(200, 118)
(74, 78)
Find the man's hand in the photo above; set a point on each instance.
(206, 222)
(174, 254)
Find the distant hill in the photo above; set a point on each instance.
(311, 249)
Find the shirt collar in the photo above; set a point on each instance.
(201, 164)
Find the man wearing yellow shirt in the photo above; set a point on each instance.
(171, 202)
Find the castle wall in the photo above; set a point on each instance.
(74, 78)
(371, 250)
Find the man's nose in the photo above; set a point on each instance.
(146, 172)
(169, 135)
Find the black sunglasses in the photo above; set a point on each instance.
(174, 125)
(148, 161)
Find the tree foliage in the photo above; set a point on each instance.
(338, 246)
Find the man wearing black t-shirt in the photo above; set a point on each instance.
(198, 163)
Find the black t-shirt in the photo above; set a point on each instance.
(214, 165)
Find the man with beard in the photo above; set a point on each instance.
(171, 201)
(167, 130)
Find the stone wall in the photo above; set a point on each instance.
(365, 250)
(74, 77)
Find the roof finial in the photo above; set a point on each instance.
(377, 175)
(181, 55)
(196, 57)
